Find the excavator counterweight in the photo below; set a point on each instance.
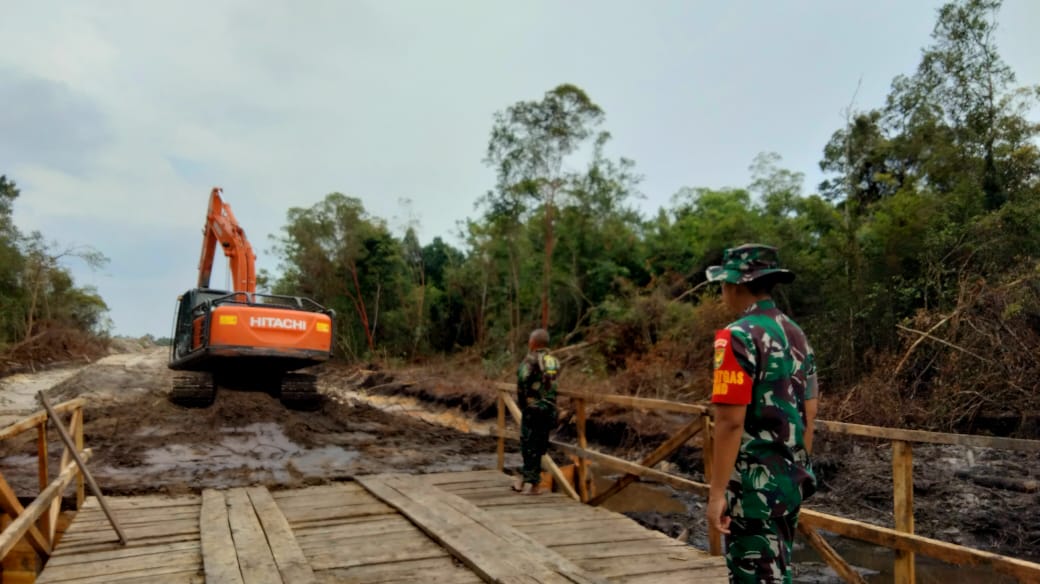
(240, 338)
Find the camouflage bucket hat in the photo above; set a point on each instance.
(748, 262)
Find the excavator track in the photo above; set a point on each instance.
(300, 392)
(195, 390)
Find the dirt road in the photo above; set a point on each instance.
(145, 444)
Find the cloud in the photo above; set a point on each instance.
(47, 123)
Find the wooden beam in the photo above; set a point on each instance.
(292, 564)
(218, 548)
(623, 400)
(708, 451)
(77, 433)
(547, 462)
(70, 448)
(501, 434)
(12, 506)
(903, 507)
(21, 525)
(255, 559)
(921, 436)
(836, 562)
(622, 465)
(933, 548)
(583, 465)
(662, 452)
(38, 418)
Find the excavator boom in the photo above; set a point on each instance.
(221, 227)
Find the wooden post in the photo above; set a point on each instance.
(77, 433)
(501, 433)
(708, 442)
(583, 465)
(70, 445)
(903, 492)
(41, 452)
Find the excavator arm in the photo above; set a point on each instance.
(221, 227)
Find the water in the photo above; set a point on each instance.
(257, 450)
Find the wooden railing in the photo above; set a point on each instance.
(901, 539)
(38, 522)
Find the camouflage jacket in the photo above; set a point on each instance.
(763, 360)
(536, 380)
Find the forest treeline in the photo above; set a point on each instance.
(917, 257)
(44, 315)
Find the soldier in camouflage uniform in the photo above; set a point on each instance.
(536, 392)
(765, 397)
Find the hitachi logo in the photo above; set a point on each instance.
(277, 323)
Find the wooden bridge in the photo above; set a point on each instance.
(451, 528)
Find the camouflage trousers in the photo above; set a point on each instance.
(759, 550)
(534, 440)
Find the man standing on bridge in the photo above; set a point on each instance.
(536, 391)
(765, 397)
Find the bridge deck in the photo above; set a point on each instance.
(452, 527)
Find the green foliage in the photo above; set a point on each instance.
(37, 293)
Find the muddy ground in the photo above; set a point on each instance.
(143, 443)
(427, 420)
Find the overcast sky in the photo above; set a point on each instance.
(116, 117)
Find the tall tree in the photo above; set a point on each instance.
(528, 146)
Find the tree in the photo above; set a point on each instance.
(528, 146)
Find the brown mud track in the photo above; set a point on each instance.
(143, 443)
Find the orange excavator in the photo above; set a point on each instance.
(240, 338)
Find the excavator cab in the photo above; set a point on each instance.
(241, 338)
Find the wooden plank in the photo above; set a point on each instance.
(472, 535)
(38, 418)
(12, 506)
(660, 453)
(903, 493)
(428, 570)
(95, 546)
(830, 555)
(159, 529)
(416, 550)
(701, 576)
(941, 550)
(594, 551)
(139, 575)
(21, 525)
(255, 559)
(133, 552)
(185, 560)
(332, 514)
(467, 476)
(652, 564)
(288, 556)
(218, 547)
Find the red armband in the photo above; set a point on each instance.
(732, 384)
